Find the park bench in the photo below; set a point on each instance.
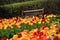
(37, 12)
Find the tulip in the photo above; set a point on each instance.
(58, 30)
(43, 37)
(18, 20)
(39, 22)
(4, 38)
(19, 35)
(43, 27)
(43, 21)
(33, 39)
(15, 36)
(55, 38)
(58, 35)
(24, 39)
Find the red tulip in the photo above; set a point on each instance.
(18, 20)
(35, 33)
(58, 30)
(19, 35)
(0, 20)
(44, 37)
(38, 34)
(58, 38)
(4, 38)
(55, 38)
(32, 19)
(43, 27)
(43, 21)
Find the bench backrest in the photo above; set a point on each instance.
(33, 12)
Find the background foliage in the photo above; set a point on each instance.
(2, 2)
(15, 9)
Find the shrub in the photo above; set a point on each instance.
(16, 9)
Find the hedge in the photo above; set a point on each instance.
(2, 2)
(16, 9)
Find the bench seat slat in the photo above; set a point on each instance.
(33, 10)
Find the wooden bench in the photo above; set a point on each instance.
(37, 12)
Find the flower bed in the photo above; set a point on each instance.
(30, 28)
(42, 34)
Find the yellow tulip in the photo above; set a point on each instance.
(23, 34)
(5, 27)
(11, 27)
(50, 35)
(39, 22)
(52, 26)
(30, 23)
(1, 25)
(15, 36)
(18, 26)
(58, 35)
(37, 19)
